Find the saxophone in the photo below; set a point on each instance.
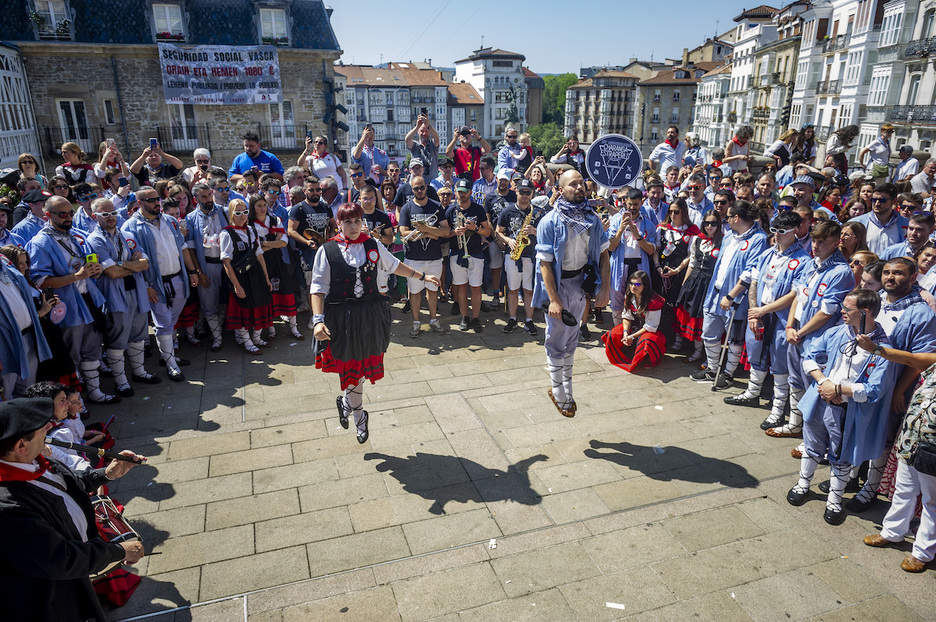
(522, 239)
(462, 239)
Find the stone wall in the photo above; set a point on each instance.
(86, 72)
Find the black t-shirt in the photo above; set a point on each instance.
(512, 217)
(405, 193)
(377, 222)
(476, 214)
(146, 177)
(310, 218)
(424, 248)
(494, 204)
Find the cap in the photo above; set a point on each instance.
(23, 415)
(462, 185)
(906, 149)
(416, 162)
(525, 184)
(805, 179)
(6, 207)
(36, 196)
(447, 162)
(505, 173)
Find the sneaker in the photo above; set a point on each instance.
(585, 334)
(414, 331)
(485, 307)
(511, 325)
(531, 328)
(406, 306)
(724, 381)
(703, 375)
(464, 323)
(436, 327)
(476, 325)
(456, 310)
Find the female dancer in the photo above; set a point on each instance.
(703, 252)
(249, 302)
(351, 318)
(272, 235)
(639, 328)
(672, 258)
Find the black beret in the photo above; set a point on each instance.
(20, 416)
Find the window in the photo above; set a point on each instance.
(109, 117)
(458, 117)
(74, 123)
(390, 114)
(674, 116)
(503, 63)
(656, 95)
(51, 19)
(273, 27)
(654, 135)
(880, 82)
(168, 22)
(184, 131)
(802, 74)
(474, 116)
(890, 29)
(380, 132)
(655, 118)
(675, 96)
(914, 90)
(389, 98)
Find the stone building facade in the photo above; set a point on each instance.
(92, 77)
(599, 105)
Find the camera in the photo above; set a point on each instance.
(538, 153)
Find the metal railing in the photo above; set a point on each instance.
(913, 114)
(88, 138)
(829, 87)
(920, 48)
(830, 46)
(183, 138)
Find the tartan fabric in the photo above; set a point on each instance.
(252, 318)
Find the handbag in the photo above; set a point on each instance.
(879, 170)
(924, 459)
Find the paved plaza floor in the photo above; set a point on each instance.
(475, 500)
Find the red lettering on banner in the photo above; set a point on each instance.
(224, 72)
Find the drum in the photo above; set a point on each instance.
(111, 526)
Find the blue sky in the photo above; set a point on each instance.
(554, 36)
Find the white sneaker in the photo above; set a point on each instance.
(414, 331)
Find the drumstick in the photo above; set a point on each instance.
(92, 450)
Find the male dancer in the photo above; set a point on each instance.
(769, 298)
(203, 238)
(570, 241)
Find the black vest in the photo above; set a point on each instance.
(343, 276)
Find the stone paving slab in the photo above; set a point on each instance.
(475, 500)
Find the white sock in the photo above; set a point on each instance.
(90, 375)
(215, 323)
(733, 358)
(755, 383)
(837, 487)
(115, 360)
(164, 343)
(555, 366)
(875, 473)
(354, 400)
(808, 467)
(567, 376)
(135, 353)
(781, 393)
(796, 416)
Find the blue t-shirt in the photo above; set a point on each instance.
(265, 162)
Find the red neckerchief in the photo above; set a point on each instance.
(316, 156)
(277, 230)
(716, 163)
(12, 474)
(236, 228)
(735, 140)
(673, 145)
(540, 185)
(339, 237)
(576, 152)
(690, 231)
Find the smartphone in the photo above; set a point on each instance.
(91, 258)
(369, 126)
(123, 182)
(309, 134)
(48, 293)
(538, 153)
(424, 112)
(594, 202)
(153, 143)
(864, 319)
(111, 144)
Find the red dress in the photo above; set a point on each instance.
(650, 345)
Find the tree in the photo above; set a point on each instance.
(554, 97)
(546, 137)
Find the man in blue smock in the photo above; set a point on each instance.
(254, 158)
(885, 226)
(738, 257)
(22, 342)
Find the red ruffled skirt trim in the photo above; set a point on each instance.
(649, 349)
(688, 327)
(284, 304)
(189, 315)
(251, 318)
(351, 372)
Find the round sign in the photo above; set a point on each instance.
(613, 161)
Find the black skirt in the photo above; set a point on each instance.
(359, 328)
(692, 294)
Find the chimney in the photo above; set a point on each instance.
(685, 56)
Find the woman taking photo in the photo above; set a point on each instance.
(272, 235)
(316, 158)
(74, 169)
(672, 258)
(249, 308)
(806, 143)
(703, 253)
(351, 318)
(639, 330)
(840, 141)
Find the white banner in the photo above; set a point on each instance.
(220, 74)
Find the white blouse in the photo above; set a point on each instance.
(355, 256)
(227, 243)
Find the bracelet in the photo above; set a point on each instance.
(729, 297)
(838, 390)
(422, 277)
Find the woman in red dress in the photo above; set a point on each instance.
(638, 334)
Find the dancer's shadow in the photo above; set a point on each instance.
(436, 477)
(673, 463)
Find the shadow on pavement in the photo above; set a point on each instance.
(673, 463)
(436, 478)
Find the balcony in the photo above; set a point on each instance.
(920, 48)
(888, 54)
(88, 138)
(760, 113)
(913, 114)
(829, 87)
(836, 44)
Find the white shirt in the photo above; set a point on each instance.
(778, 262)
(846, 367)
(576, 250)
(69, 457)
(11, 293)
(651, 319)
(729, 248)
(167, 253)
(878, 153)
(667, 156)
(888, 319)
(907, 168)
(227, 244)
(355, 256)
(326, 167)
(211, 232)
(74, 510)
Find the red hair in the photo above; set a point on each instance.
(349, 211)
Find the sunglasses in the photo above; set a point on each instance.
(524, 192)
(87, 197)
(201, 161)
(904, 206)
(514, 136)
(108, 214)
(726, 184)
(419, 187)
(879, 200)
(242, 212)
(60, 187)
(29, 161)
(854, 263)
(636, 284)
(223, 189)
(710, 223)
(675, 211)
(721, 202)
(64, 214)
(150, 200)
(695, 187)
(778, 231)
(353, 175)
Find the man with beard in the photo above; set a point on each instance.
(654, 207)
(697, 202)
(167, 288)
(310, 226)
(910, 325)
(373, 160)
(254, 159)
(919, 230)
(469, 223)
(467, 158)
(124, 287)
(405, 190)
(59, 261)
(203, 238)
(885, 226)
(426, 149)
(520, 271)
(494, 205)
(424, 253)
(632, 242)
(669, 152)
(570, 241)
